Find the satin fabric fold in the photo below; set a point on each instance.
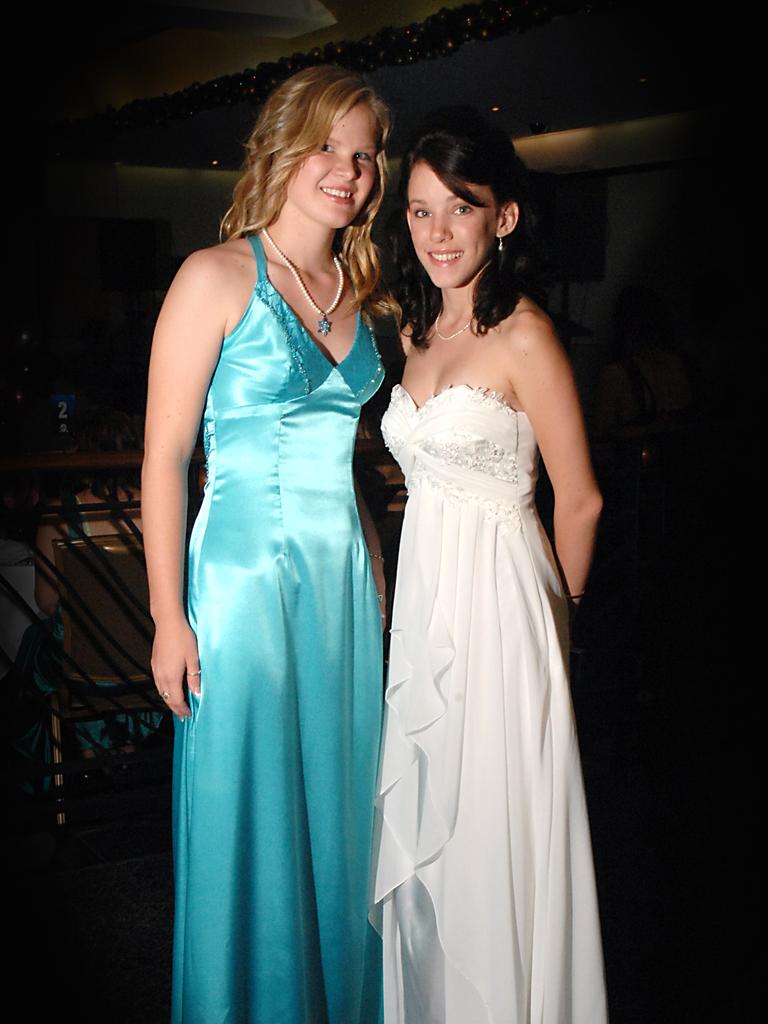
(274, 774)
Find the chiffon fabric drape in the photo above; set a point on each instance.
(274, 773)
(484, 883)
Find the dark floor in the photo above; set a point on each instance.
(668, 722)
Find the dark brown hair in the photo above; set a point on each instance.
(463, 149)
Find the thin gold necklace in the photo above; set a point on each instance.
(448, 337)
(323, 324)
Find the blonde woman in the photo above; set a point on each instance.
(280, 654)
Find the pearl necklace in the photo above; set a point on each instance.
(323, 324)
(448, 337)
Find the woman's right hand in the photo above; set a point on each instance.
(174, 658)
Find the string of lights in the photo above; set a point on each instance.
(439, 35)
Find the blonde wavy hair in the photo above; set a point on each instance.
(295, 120)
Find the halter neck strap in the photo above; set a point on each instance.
(261, 259)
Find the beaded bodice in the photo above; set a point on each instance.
(468, 444)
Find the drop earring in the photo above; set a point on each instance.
(501, 244)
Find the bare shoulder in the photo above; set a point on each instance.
(210, 290)
(529, 331)
(218, 265)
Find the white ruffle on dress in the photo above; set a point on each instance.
(484, 882)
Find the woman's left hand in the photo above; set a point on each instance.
(381, 589)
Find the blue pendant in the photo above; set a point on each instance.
(324, 325)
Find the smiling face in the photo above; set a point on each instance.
(453, 239)
(332, 185)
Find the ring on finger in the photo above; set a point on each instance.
(165, 695)
(197, 673)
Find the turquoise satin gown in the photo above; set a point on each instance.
(275, 772)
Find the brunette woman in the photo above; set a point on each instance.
(484, 879)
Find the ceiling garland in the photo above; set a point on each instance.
(439, 35)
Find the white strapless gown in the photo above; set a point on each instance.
(484, 883)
